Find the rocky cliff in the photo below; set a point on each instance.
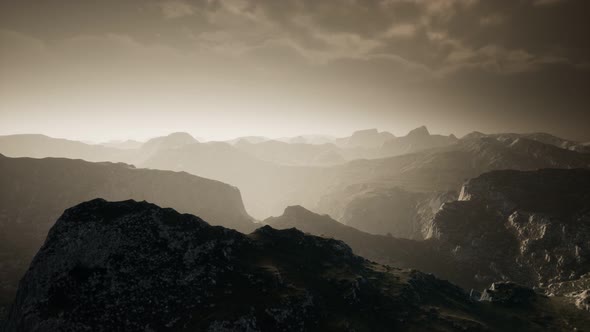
(530, 227)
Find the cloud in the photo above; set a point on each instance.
(492, 20)
(404, 30)
(547, 2)
(498, 59)
(175, 9)
(442, 35)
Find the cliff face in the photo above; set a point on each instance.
(530, 227)
(137, 267)
(394, 211)
(36, 191)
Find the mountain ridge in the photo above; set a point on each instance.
(178, 273)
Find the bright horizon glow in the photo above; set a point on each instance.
(100, 71)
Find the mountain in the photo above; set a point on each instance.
(548, 139)
(134, 266)
(528, 227)
(532, 227)
(368, 139)
(248, 139)
(386, 210)
(266, 186)
(36, 191)
(171, 141)
(416, 140)
(124, 145)
(380, 248)
(424, 179)
(431, 255)
(308, 139)
(41, 146)
(351, 189)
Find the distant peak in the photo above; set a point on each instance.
(372, 131)
(172, 140)
(182, 135)
(296, 210)
(474, 134)
(420, 131)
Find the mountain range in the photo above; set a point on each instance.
(531, 227)
(325, 177)
(506, 210)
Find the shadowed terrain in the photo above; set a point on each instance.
(106, 266)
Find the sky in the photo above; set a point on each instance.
(218, 69)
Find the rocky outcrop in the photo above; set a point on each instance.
(576, 291)
(529, 227)
(508, 293)
(582, 300)
(137, 267)
(36, 191)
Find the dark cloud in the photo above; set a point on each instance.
(446, 60)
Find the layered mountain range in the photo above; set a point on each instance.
(325, 177)
(135, 266)
(507, 210)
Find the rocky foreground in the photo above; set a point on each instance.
(134, 266)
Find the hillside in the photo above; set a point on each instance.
(134, 265)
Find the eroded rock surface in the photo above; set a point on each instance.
(529, 227)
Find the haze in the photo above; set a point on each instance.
(219, 69)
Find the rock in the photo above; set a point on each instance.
(35, 192)
(525, 226)
(508, 293)
(136, 267)
(583, 300)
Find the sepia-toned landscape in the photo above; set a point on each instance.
(294, 165)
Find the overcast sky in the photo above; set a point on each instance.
(114, 69)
